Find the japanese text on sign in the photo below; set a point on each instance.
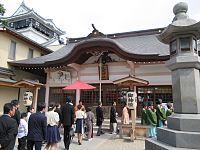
(131, 100)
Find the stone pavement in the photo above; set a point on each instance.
(105, 142)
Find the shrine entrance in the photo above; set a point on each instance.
(130, 84)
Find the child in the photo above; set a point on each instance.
(22, 132)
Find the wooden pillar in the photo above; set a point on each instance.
(132, 67)
(47, 89)
(35, 97)
(133, 118)
(135, 90)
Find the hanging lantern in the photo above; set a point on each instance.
(28, 98)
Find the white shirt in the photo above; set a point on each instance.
(28, 115)
(52, 118)
(22, 129)
(80, 114)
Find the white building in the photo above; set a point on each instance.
(30, 24)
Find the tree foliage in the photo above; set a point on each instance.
(2, 10)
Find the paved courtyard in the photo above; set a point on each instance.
(104, 142)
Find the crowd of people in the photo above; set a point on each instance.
(155, 117)
(34, 129)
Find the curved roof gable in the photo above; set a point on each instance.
(143, 47)
(21, 10)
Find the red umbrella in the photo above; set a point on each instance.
(78, 85)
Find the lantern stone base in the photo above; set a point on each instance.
(173, 139)
(184, 122)
(154, 144)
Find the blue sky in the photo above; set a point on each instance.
(109, 16)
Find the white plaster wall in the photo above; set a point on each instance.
(36, 37)
(118, 70)
(156, 74)
(158, 80)
(6, 95)
(89, 72)
(157, 68)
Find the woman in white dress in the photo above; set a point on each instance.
(80, 116)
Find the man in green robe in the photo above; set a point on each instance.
(144, 120)
(152, 119)
(161, 114)
(169, 110)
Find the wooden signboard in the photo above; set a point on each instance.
(104, 72)
(132, 104)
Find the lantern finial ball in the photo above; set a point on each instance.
(181, 7)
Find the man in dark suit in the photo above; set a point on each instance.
(37, 128)
(113, 118)
(100, 118)
(67, 120)
(17, 115)
(8, 128)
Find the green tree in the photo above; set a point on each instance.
(2, 11)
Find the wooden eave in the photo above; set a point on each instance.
(131, 81)
(21, 84)
(28, 84)
(7, 84)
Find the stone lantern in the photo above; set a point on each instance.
(183, 127)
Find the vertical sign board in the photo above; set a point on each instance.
(132, 104)
(131, 100)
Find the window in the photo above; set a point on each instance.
(194, 43)
(12, 51)
(173, 47)
(11, 25)
(185, 44)
(58, 95)
(30, 53)
(37, 23)
(153, 93)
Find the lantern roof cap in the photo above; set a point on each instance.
(181, 24)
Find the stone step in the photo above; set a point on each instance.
(107, 121)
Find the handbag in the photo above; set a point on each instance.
(71, 132)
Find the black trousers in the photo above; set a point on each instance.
(99, 131)
(30, 144)
(22, 143)
(67, 136)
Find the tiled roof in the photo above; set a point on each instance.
(6, 71)
(7, 80)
